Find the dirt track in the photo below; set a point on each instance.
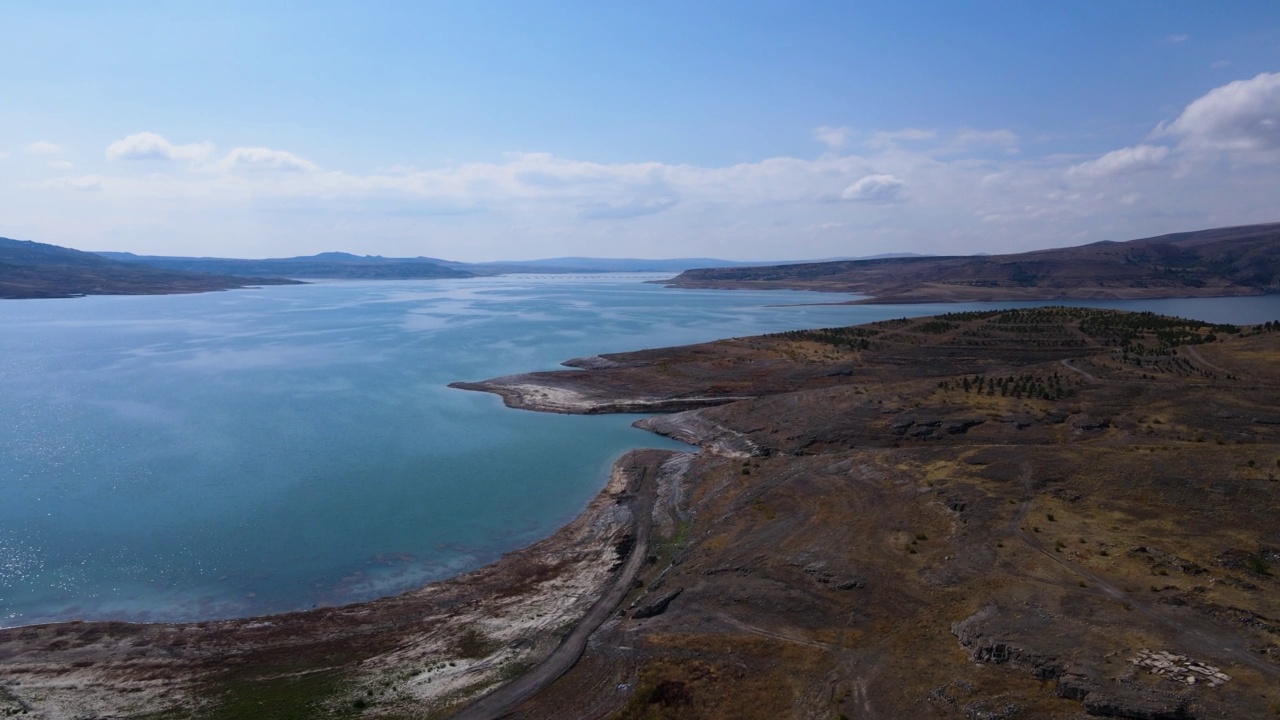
(643, 467)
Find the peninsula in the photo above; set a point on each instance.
(1036, 513)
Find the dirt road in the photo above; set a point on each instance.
(643, 465)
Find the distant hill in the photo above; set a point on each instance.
(596, 265)
(38, 270)
(340, 265)
(1220, 262)
(337, 265)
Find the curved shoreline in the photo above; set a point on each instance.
(438, 647)
(644, 495)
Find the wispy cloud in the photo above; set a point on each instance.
(259, 159)
(832, 137)
(86, 183)
(634, 207)
(969, 136)
(1177, 38)
(892, 137)
(1139, 158)
(44, 147)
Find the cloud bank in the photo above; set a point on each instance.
(923, 189)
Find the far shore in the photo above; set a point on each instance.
(941, 293)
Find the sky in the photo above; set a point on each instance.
(741, 130)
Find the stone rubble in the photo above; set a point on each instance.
(1179, 668)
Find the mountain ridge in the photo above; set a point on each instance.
(31, 269)
(1240, 260)
(338, 265)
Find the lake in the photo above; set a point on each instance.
(190, 457)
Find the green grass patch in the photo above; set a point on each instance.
(305, 696)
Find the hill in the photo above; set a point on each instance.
(38, 270)
(1221, 262)
(335, 265)
(341, 265)
(596, 265)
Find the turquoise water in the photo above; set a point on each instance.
(200, 456)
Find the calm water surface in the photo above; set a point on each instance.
(198, 456)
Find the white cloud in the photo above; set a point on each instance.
(832, 137)
(258, 158)
(1139, 158)
(1179, 38)
(3, 155)
(1241, 117)
(150, 146)
(875, 189)
(963, 192)
(60, 164)
(44, 147)
(1219, 64)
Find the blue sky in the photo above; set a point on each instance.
(753, 130)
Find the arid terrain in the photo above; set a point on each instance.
(1206, 263)
(1048, 513)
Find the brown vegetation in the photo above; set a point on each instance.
(977, 515)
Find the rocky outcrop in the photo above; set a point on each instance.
(987, 637)
(657, 607)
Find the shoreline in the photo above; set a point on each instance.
(865, 537)
(543, 392)
(947, 294)
(440, 646)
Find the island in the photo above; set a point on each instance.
(1031, 513)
